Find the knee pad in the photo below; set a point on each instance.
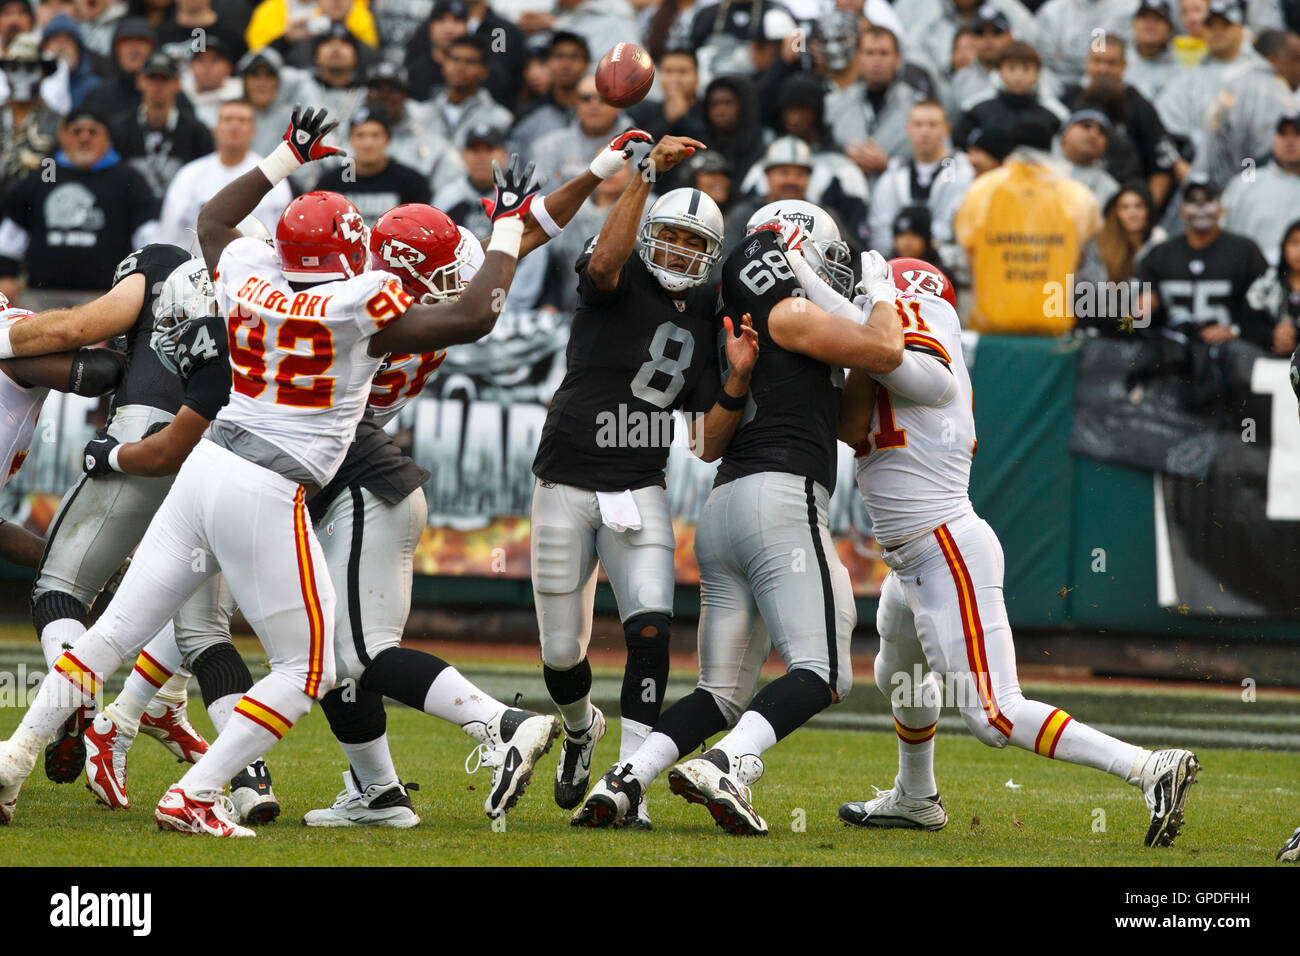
(220, 671)
(562, 654)
(355, 716)
(56, 606)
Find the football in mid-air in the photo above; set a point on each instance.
(624, 75)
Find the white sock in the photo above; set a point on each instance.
(751, 735)
(455, 699)
(372, 762)
(126, 714)
(58, 636)
(633, 734)
(174, 693)
(577, 715)
(656, 755)
(219, 710)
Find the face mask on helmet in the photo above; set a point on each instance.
(833, 262)
(187, 297)
(675, 265)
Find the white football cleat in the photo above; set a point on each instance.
(106, 750)
(895, 809)
(15, 766)
(382, 805)
(1290, 853)
(1166, 777)
(638, 819)
(573, 772)
(612, 799)
(251, 794)
(711, 779)
(208, 812)
(174, 731)
(516, 741)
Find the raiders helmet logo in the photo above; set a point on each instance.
(398, 253)
(921, 282)
(802, 218)
(352, 227)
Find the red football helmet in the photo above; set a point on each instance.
(919, 277)
(423, 247)
(321, 236)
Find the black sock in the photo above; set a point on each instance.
(404, 675)
(691, 721)
(567, 686)
(791, 701)
(221, 671)
(646, 675)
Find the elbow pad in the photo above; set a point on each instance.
(95, 372)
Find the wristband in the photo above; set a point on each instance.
(543, 217)
(112, 458)
(6, 350)
(730, 402)
(506, 235)
(278, 166)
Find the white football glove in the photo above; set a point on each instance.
(877, 282)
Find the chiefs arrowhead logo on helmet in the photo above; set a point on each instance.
(395, 252)
(920, 278)
(353, 227)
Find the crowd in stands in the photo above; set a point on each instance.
(1016, 143)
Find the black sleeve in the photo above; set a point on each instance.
(155, 262)
(588, 294)
(208, 388)
(143, 205)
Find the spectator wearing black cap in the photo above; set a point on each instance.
(460, 197)
(415, 137)
(1263, 204)
(1153, 63)
(191, 19)
(1017, 105)
(987, 147)
(463, 101)
(1183, 105)
(1082, 143)
(1243, 118)
(372, 181)
(448, 20)
(933, 177)
(158, 138)
(711, 174)
(1138, 144)
(869, 118)
(502, 38)
(337, 72)
(991, 29)
(273, 89)
(1066, 27)
(293, 27)
(71, 229)
(567, 59)
(198, 181)
(912, 237)
(133, 40)
(209, 80)
(15, 18)
(98, 20)
(28, 127)
(61, 39)
(1199, 280)
(931, 26)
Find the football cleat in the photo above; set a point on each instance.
(106, 750)
(251, 795)
(382, 805)
(612, 799)
(15, 767)
(516, 741)
(640, 820)
(1166, 777)
(711, 779)
(207, 812)
(65, 755)
(174, 731)
(1291, 852)
(895, 809)
(574, 769)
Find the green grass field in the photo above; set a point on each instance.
(1246, 803)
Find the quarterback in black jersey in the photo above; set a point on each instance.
(769, 573)
(642, 344)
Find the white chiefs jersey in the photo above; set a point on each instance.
(19, 408)
(914, 464)
(301, 375)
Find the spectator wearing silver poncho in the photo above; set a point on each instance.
(464, 101)
(1261, 203)
(1067, 28)
(1152, 64)
(931, 25)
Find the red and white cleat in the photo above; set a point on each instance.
(208, 812)
(174, 731)
(106, 750)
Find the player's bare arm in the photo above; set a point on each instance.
(857, 405)
(876, 346)
(219, 218)
(19, 546)
(61, 330)
(89, 372)
(431, 327)
(553, 212)
(711, 434)
(617, 237)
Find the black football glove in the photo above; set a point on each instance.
(95, 459)
(513, 194)
(306, 134)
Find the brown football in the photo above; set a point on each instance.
(624, 75)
